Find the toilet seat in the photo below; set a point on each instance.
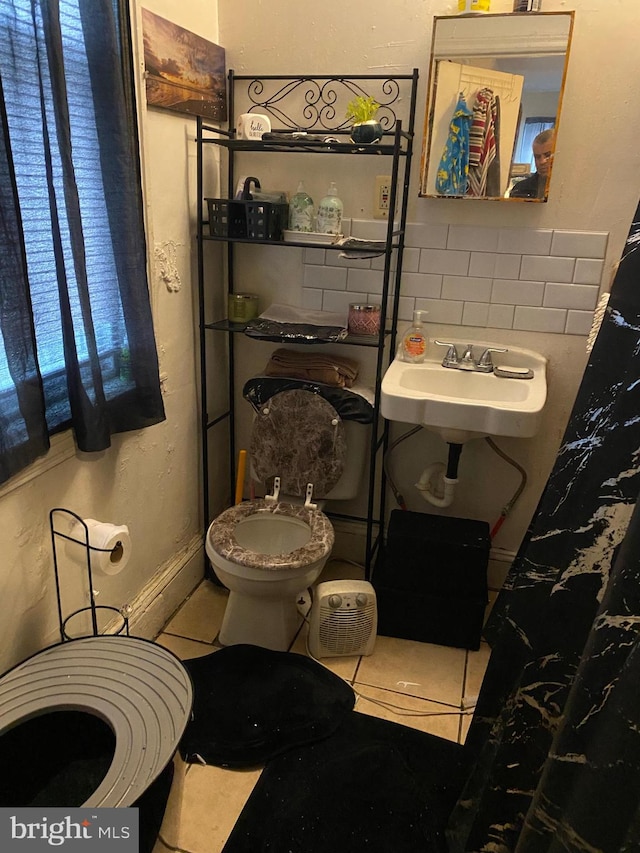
(299, 437)
(139, 688)
(221, 536)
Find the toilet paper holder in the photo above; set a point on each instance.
(95, 610)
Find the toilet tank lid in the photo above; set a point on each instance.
(350, 405)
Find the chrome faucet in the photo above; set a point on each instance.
(467, 360)
(485, 363)
(451, 359)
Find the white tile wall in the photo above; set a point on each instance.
(588, 271)
(371, 281)
(530, 279)
(446, 261)
(539, 267)
(581, 244)
(579, 322)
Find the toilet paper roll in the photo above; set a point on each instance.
(112, 541)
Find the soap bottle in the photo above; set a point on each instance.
(414, 343)
(301, 210)
(330, 212)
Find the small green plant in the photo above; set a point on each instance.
(362, 109)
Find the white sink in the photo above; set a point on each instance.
(461, 404)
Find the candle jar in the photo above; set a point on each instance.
(242, 307)
(364, 319)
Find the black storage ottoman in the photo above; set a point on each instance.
(431, 579)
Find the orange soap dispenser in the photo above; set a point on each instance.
(414, 343)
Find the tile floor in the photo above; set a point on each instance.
(416, 684)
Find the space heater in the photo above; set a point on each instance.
(343, 620)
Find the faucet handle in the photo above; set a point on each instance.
(451, 359)
(485, 364)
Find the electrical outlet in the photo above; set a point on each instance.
(381, 197)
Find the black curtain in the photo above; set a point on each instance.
(73, 254)
(21, 439)
(555, 737)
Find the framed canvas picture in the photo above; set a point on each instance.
(183, 71)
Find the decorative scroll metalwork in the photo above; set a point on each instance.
(320, 103)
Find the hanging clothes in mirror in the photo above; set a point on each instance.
(484, 146)
(453, 169)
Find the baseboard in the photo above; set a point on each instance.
(500, 562)
(350, 540)
(156, 603)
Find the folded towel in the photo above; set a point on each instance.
(293, 358)
(354, 247)
(314, 367)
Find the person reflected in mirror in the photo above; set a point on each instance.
(535, 186)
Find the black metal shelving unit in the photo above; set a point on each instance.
(315, 105)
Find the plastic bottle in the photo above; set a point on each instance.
(301, 210)
(414, 343)
(473, 6)
(330, 212)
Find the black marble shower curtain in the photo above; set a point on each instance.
(556, 732)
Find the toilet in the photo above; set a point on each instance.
(268, 551)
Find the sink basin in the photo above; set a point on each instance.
(460, 404)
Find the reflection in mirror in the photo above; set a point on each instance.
(493, 105)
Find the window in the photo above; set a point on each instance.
(76, 324)
(530, 129)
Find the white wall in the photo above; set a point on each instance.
(596, 185)
(148, 480)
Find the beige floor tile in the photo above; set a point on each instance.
(173, 811)
(344, 667)
(200, 616)
(417, 669)
(427, 716)
(476, 666)
(183, 648)
(203, 807)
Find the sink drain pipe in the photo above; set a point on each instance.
(446, 479)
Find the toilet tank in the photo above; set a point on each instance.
(348, 486)
(357, 440)
(356, 434)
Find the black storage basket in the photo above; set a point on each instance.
(265, 220)
(247, 217)
(226, 218)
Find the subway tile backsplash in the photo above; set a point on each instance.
(530, 279)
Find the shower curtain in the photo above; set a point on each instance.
(555, 738)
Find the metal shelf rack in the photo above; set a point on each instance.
(315, 105)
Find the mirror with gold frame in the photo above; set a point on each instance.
(493, 105)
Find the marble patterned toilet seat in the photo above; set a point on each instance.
(222, 539)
